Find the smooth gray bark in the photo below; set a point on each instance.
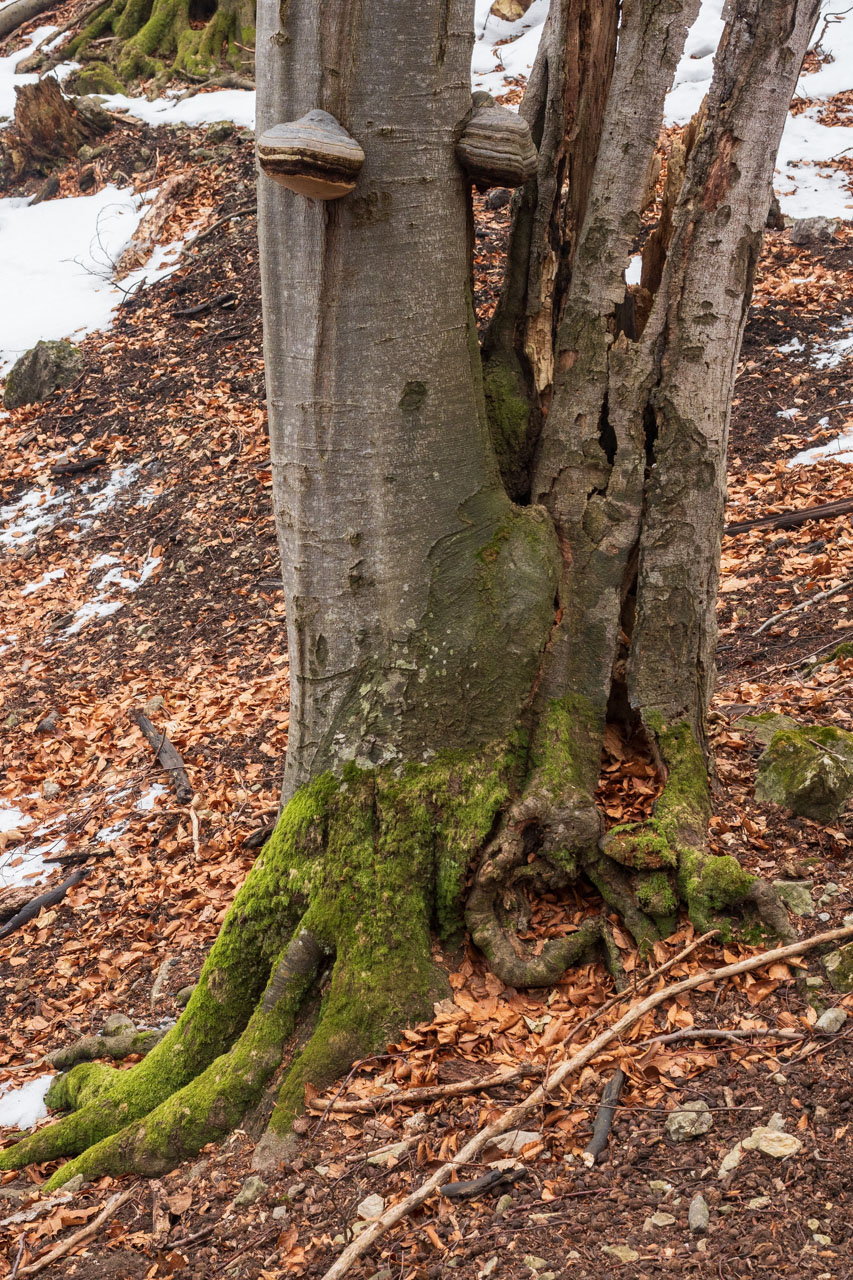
(386, 486)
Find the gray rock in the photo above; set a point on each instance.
(281, 1213)
(808, 231)
(534, 1263)
(847, 921)
(252, 1189)
(156, 703)
(839, 968)
(506, 1202)
(117, 1024)
(659, 1219)
(808, 770)
(621, 1251)
(515, 1139)
(795, 895)
(220, 131)
(690, 1121)
(813, 982)
(51, 790)
(698, 1215)
(824, 916)
(831, 1020)
(764, 724)
(74, 1184)
(371, 1207)
(41, 371)
(182, 997)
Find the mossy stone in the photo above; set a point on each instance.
(765, 724)
(97, 77)
(839, 968)
(796, 895)
(808, 770)
(43, 369)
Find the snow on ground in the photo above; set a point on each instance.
(806, 186)
(57, 261)
(115, 578)
(838, 450)
(21, 1108)
(237, 105)
(493, 69)
(693, 73)
(834, 38)
(52, 575)
(8, 78)
(37, 509)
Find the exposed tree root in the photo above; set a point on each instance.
(357, 873)
(162, 38)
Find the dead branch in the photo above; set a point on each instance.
(514, 1115)
(49, 899)
(80, 1237)
(803, 604)
(725, 1033)
(790, 519)
(72, 468)
(14, 15)
(201, 308)
(427, 1093)
(167, 757)
(604, 1117)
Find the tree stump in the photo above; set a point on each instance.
(49, 128)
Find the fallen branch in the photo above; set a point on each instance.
(790, 519)
(511, 1119)
(72, 468)
(724, 1033)
(14, 15)
(427, 1093)
(167, 757)
(33, 62)
(221, 300)
(49, 899)
(803, 604)
(80, 1237)
(604, 1117)
(227, 217)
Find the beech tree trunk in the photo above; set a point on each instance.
(479, 577)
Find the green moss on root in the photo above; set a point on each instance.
(353, 867)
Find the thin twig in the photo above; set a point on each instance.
(427, 1093)
(80, 1237)
(804, 604)
(514, 1115)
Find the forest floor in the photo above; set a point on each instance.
(174, 530)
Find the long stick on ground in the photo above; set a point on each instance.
(80, 1237)
(511, 1118)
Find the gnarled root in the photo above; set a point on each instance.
(348, 879)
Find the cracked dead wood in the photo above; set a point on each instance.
(167, 757)
(511, 1119)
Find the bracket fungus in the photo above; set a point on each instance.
(496, 148)
(313, 155)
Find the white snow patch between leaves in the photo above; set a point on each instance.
(21, 1108)
(52, 575)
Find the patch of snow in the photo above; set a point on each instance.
(835, 35)
(116, 577)
(57, 261)
(790, 414)
(10, 817)
(493, 67)
(10, 640)
(838, 450)
(8, 78)
(106, 834)
(789, 347)
(807, 186)
(34, 510)
(634, 269)
(21, 1108)
(237, 105)
(103, 561)
(26, 865)
(50, 576)
(92, 609)
(693, 74)
(147, 802)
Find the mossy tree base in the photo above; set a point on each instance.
(163, 38)
(345, 896)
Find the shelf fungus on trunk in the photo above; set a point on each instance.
(313, 155)
(496, 148)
